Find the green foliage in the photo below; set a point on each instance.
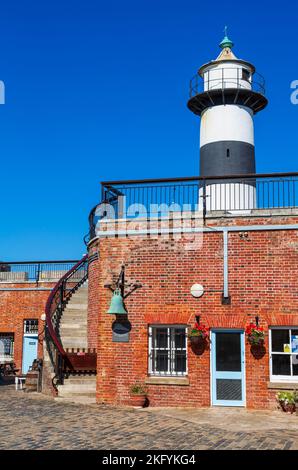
(288, 398)
(138, 389)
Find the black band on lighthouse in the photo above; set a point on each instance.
(227, 158)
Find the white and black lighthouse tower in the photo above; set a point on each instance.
(226, 93)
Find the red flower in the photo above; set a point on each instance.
(255, 333)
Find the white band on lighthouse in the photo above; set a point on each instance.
(227, 122)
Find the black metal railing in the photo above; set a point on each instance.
(160, 197)
(34, 271)
(57, 300)
(226, 78)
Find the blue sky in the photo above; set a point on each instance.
(97, 91)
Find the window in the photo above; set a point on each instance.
(284, 354)
(167, 350)
(245, 75)
(6, 346)
(31, 327)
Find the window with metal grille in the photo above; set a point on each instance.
(6, 346)
(31, 327)
(283, 343)
(168, 350)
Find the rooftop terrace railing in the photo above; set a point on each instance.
(34, 271)
(158, 197)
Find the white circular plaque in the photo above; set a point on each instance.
(197, 290)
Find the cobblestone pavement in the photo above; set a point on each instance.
(32, 421)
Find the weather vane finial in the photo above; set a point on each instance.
(226, 42)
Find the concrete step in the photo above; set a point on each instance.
(77, 393)
(70, 344)
(77, 335)
(77, 388)
(74, 341)
(73, 327)
(79, 331)
(78, 293)
(76, 305)
(69, 316)
(73, 305)
(80, 379)
(73, 321)
(72, 308)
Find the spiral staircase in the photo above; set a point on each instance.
(67, 359)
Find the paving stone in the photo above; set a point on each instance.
(33, 421)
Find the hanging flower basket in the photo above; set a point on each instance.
(255, 335)
(198, 334)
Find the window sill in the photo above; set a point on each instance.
(282, 385)
(167, 381)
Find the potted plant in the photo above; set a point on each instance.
(138, 394)
(198, 333)
(286, 401)
(255, 334)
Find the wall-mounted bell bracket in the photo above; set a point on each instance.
(122, 285)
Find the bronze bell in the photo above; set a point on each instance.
(117, 304)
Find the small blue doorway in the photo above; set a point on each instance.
(228, 367)
(30, 344)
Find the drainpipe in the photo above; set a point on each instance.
(226, 298)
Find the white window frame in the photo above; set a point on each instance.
(26, 321)
(171, 348)
(281, 378)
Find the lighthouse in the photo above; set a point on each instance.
(226, 93)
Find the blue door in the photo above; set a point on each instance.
(30, 344)
(228, 362)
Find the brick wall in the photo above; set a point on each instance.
(263, 281)
(19, 305)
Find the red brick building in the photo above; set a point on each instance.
(24, 291)
(261, 256)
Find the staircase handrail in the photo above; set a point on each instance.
(56, 301)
